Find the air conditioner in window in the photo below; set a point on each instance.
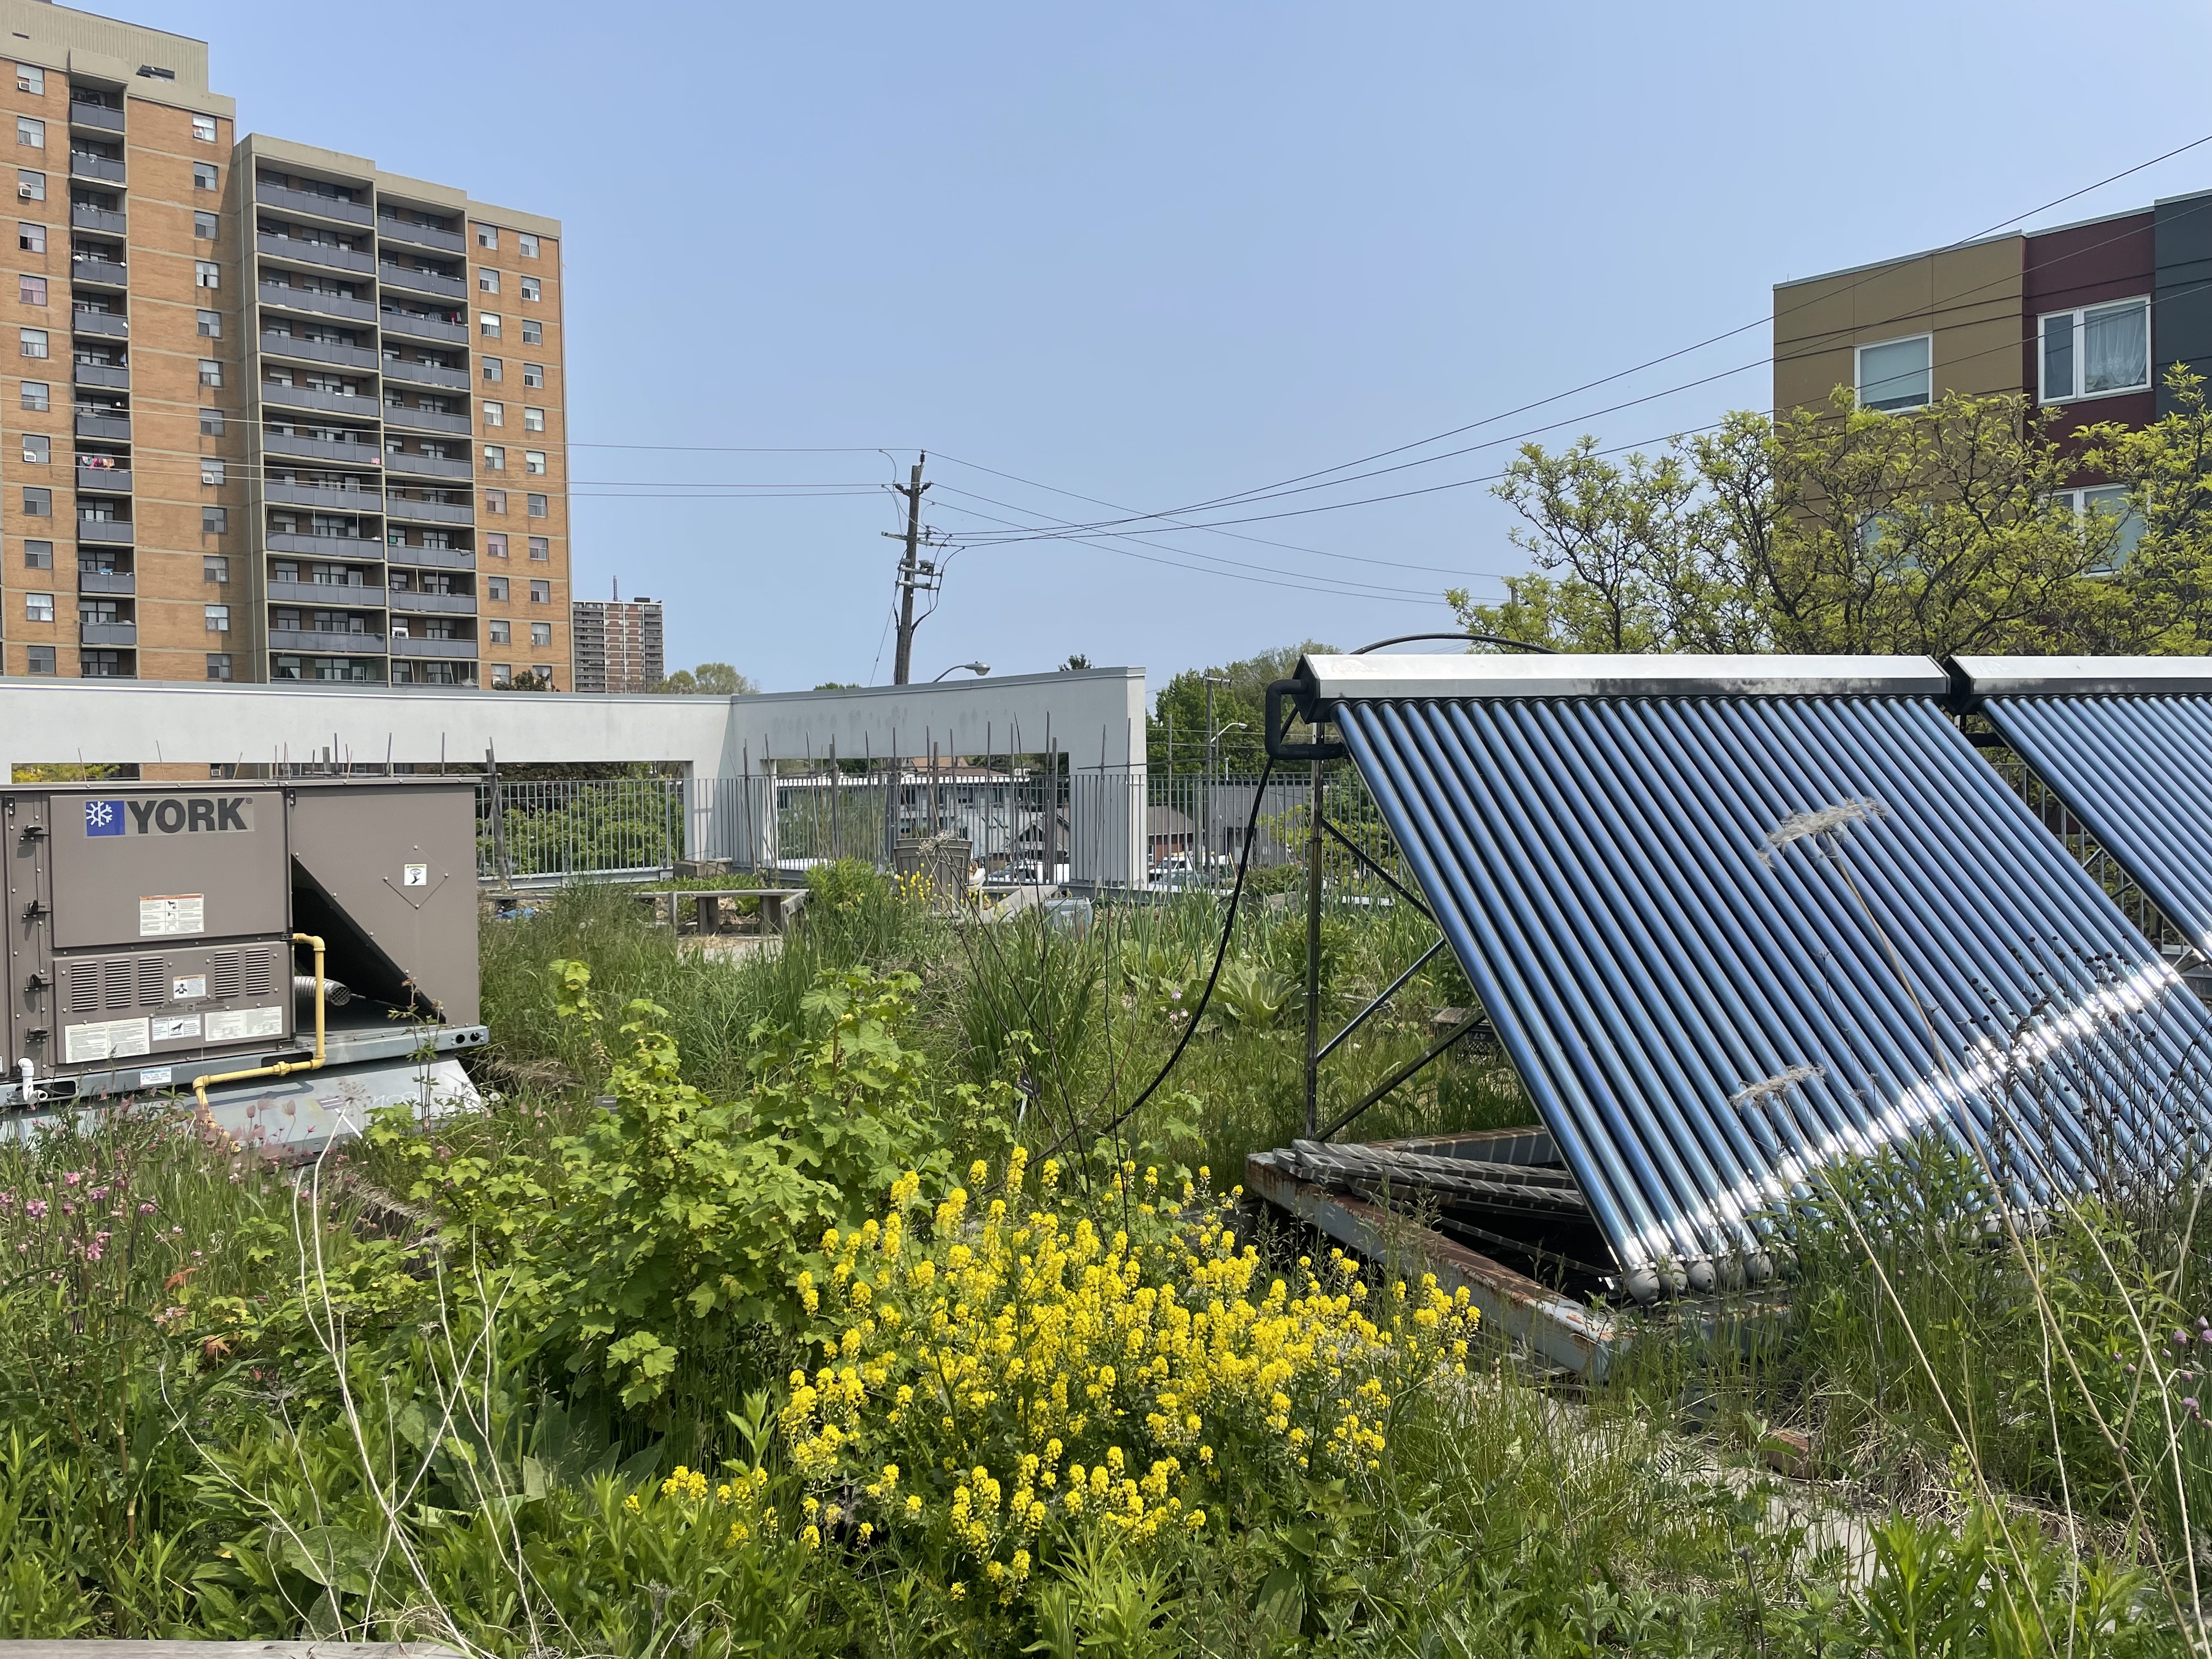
(399, 630)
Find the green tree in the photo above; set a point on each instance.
(708, 679)
(1838, 529)
(1238, 694)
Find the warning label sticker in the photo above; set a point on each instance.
(239, 1024)
(165, 913)
(175, 1027)
(111, 1039)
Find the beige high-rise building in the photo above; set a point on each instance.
(268, 412)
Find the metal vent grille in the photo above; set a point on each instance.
(224, 974)
(153, 981)
(260, 973)
(121, 993)
(84, 987)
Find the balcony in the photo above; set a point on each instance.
(82, 165)
(320, 254)
(349, 550)
(452, 379)
(319, 207)
(389, 229)
(107, 582)
(315, 304)
(317, 351)
(96, 271)
(303, 639)
(111, 325)
(433, 558)
(451, 648)
(83, 216)
(338, 501)
(422, 328)
(113, 633)
(427, 513)
(452, 604)
(104, 480)
(425, 420)
(117, 375)
(104, 426)
(96, 115)
(426, 466)
(320, 449)
(361, 406)
(422, 282)
(107, 533)
(326, 594)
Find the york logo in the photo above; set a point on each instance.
(169, 815)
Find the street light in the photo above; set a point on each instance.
(972, 667)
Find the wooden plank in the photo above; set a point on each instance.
(227, 1650)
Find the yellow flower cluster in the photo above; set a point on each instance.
(743, 1499)
(1137, 1334)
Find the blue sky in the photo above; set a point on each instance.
(1160, 254)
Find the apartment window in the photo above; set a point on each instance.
(536, 507)
(39, 660)
(30, 186)
(488, 236)
(529, 290)
(496, 500)
(501, 634)
(38, 502)
(29, 77)
(2096, 351)
(541, 592)
(213, 520)
(218, 664)
(215, 568)
(495, 588)
(533, 420)
(38, 555)
(213, 471)
(207, 274)
(210, 325)
(494, 414)
(210, 372)
(502, 674)
(31, 290)
(37, 607)
(533, 333)
(486, 279)
(2108, 501)
(203, 176)
(526, 245)
(204, 128)
(495, 544)
(533, 374)
(495, 458)
(30, 132)
(34, 342)
(38, 449)
(488, 325)
(540, 549)
(218, 619)
(205, 226)
(38, 396)
(210, 423)
(533, 460)
(541, 634)
(494, 370)
(31, 238)
(1894, 374)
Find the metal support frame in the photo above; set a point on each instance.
(1386, 993)
(1313, 955)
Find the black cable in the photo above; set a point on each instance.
(1220, 955)
(1478, 639)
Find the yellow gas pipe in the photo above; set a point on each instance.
(283, 1067)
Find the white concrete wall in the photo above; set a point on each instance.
(1092, 715)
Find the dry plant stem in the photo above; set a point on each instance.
(2046, 1317)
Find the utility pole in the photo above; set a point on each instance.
(915, 573)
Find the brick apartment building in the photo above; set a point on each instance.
(269, 412)
(617, 644)
(2085, 317)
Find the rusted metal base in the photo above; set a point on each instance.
(1580, 1337)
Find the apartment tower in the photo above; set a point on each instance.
(270, 413)
(617, 644)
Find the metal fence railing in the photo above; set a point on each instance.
(1110, 828)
